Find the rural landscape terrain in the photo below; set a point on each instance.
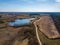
(29, 28)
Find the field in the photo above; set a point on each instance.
(18, 35)
(47, 41)
(24, 35)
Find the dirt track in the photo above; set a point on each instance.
(35, 23)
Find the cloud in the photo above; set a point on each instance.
(31, 6)
(35, 9)
(57, 0)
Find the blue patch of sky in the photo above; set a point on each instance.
(17, 5)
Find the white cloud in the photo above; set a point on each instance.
(38, 8)
(57, 0)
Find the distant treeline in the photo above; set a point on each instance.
(30, 13)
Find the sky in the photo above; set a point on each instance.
(29, 5)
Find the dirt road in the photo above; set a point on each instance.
(39, 41)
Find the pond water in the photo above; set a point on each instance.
(20, 22)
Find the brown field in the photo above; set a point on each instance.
(26, 35)
(23, 35)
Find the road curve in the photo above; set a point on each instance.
(40, 43)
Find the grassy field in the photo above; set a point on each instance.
(47, 41)
(24, 35)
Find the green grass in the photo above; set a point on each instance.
(2, 18)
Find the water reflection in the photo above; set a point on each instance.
(21, 22)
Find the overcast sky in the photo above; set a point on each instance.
(29, 5)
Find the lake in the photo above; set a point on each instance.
(20, 22)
